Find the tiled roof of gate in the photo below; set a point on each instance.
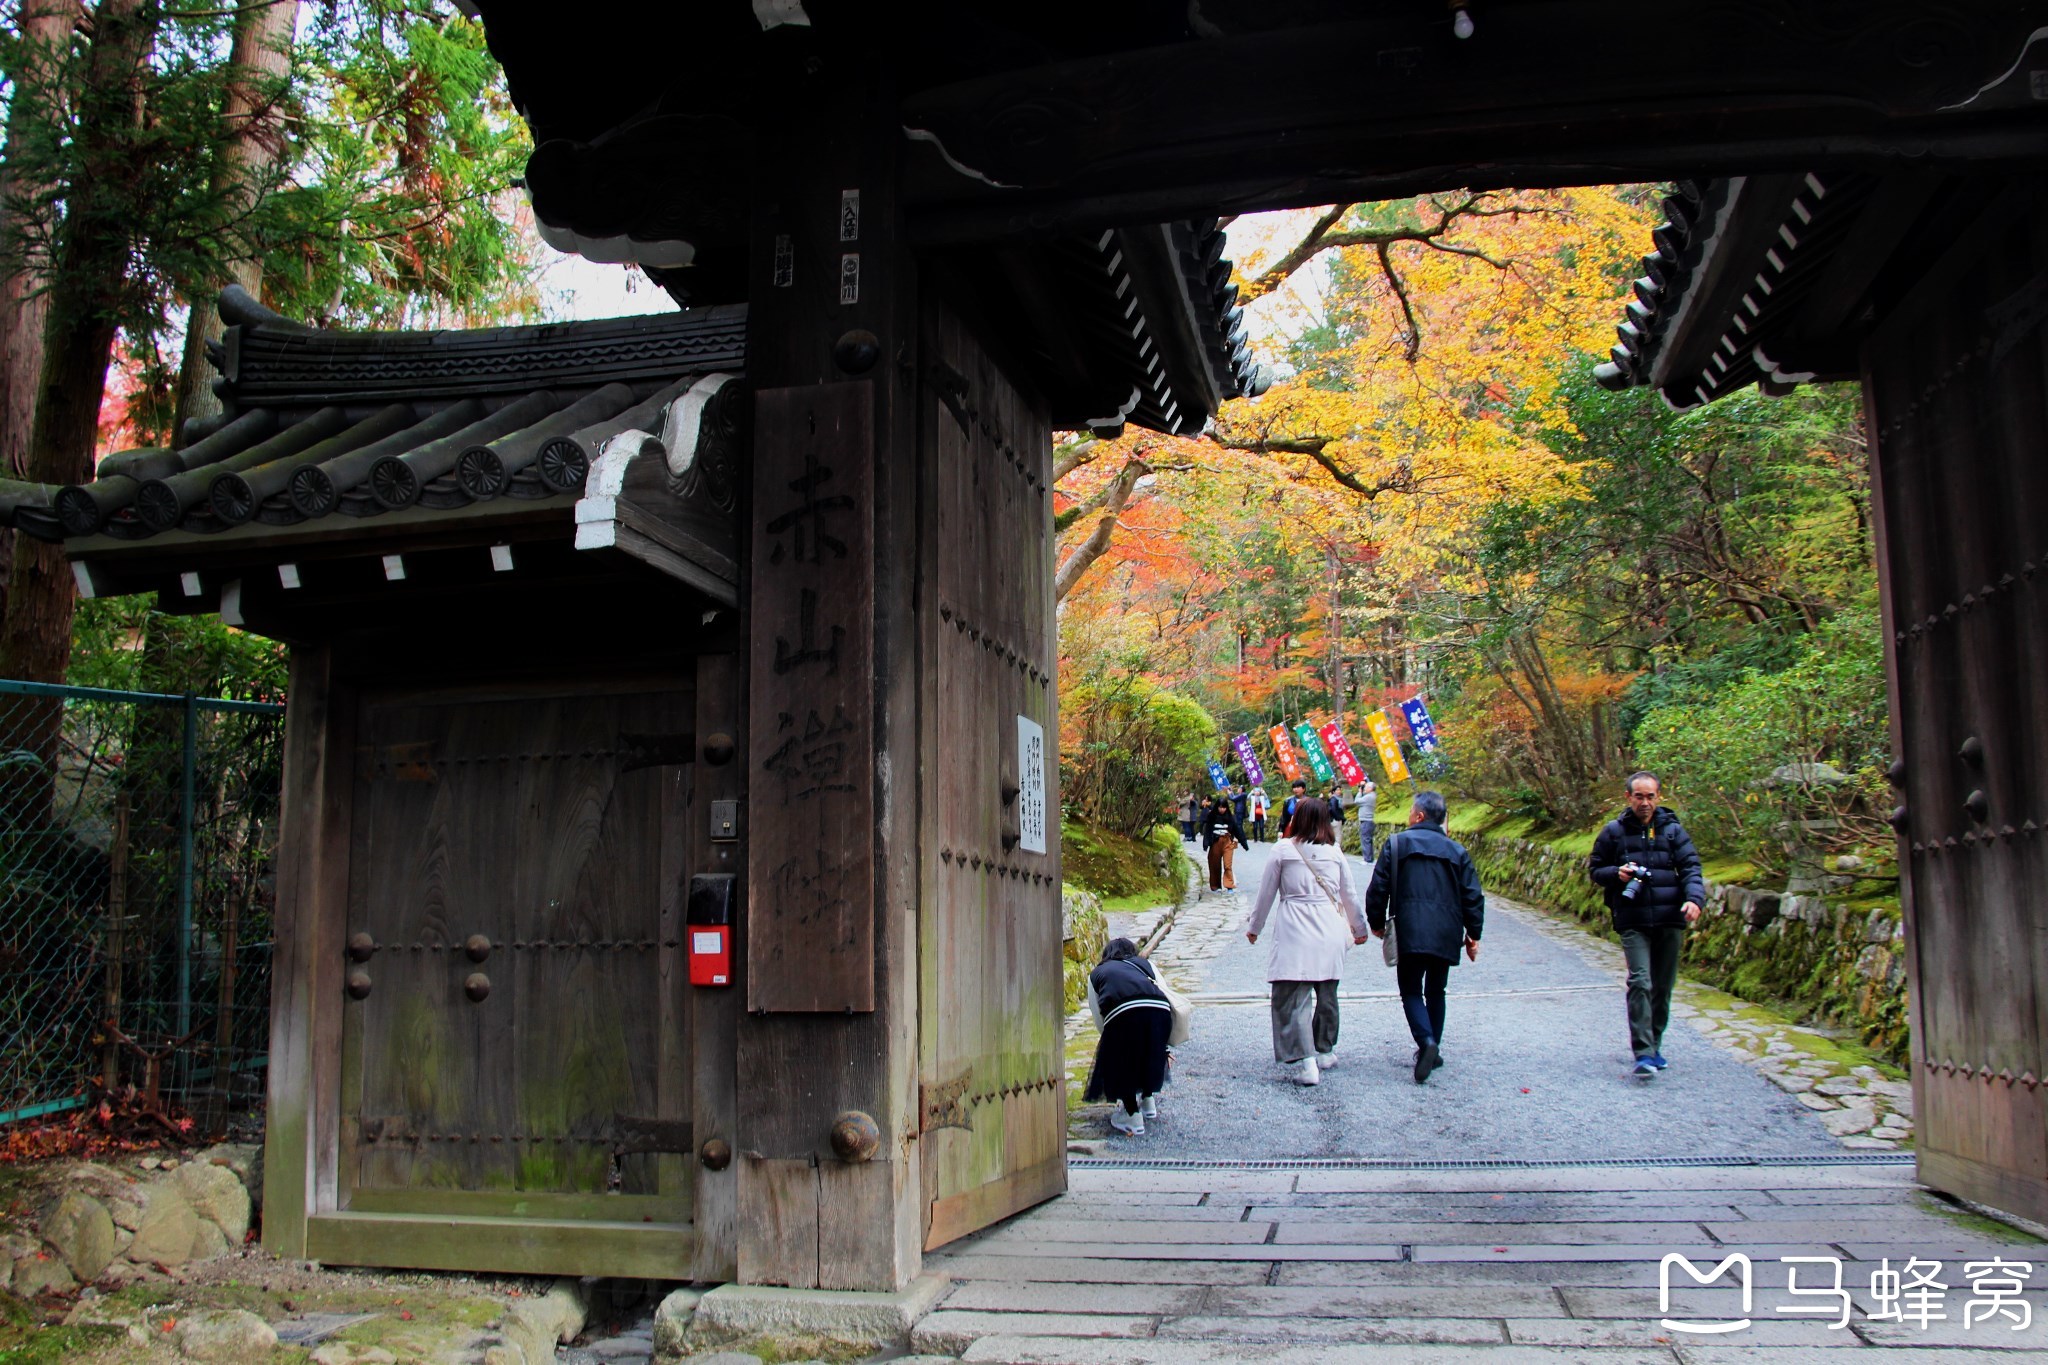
(1732, 267)
(358, 424)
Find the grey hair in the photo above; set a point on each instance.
(1431, 804)
(1636, 777)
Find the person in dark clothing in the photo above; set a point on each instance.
(1335, 801)
(1296, 795)
(1240, 806)
(1426, 885)
(1645, 865)
(1221, 836)
(1136, 1020)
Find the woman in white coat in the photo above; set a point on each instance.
(1313, 904)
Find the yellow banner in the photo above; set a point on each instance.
(1382, 732)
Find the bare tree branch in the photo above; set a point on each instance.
(1092, 549)
(1412, 347)
(1068, 458)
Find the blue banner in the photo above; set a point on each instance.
(1420, 725)
(1216, 775)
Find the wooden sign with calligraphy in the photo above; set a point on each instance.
(811, 818)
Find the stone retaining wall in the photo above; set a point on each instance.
(1841, 964)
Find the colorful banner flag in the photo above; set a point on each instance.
(1312, 750)
(1253, 773)
(1283, 749)
(1420, 725)
(1216, 775)
(1390, 748)
(1340, 754)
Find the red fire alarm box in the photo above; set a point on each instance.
(709, 925)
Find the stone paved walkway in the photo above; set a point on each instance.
(1536, 1061)
(1497, 1266)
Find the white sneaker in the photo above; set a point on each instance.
(1132, 1125)
(1326, 1060)
(1305, 1072)
(1148, 1108)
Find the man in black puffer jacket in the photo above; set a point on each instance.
(1424, 884)
(1645, 864)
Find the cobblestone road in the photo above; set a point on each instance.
(1536, 1061)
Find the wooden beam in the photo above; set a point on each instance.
(1548, 92)
(430, 1241)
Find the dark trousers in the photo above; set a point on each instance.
(1258, 829)
(1367, 832)
(1222, 864)
(1421, 978)
(1187, 829)
(1304, 1019)
(1652, 971)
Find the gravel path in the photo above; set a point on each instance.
(1536, 1059)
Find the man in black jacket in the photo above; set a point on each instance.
(1648, 869)
(1424, 882)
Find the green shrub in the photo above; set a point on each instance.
(1126, 751)
(1717, 756)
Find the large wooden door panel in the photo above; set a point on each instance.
(515, 863)
(991, 1063)
(1954, 388)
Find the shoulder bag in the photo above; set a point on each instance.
(1390, 952)
(1183, 1009)
(1338, 905)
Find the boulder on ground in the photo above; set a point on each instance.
(125, 1197)
(216, 1194)
(536, 1326)
(79, 1228)
(245, 1159)
(43, 1272)
(352, 1353)
(208, 1243)
(169, 1228)
(229, 1337)
(672, 1322)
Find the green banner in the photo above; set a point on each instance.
(1312, 750)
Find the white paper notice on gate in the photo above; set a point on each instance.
(1031, 785)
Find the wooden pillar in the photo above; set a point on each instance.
(299, 1174)
(831, 762)
(1957, 422)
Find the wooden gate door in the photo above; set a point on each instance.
(1953, 383)
(992, 1089)
(514, 1059)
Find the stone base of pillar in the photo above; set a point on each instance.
(844, 1315)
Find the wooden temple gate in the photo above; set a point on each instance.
(735, 627)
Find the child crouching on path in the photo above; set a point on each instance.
(1130, 1062)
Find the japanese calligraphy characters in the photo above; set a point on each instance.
(810, 858)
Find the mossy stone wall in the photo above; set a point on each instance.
(1084, 929)
(1840, 964)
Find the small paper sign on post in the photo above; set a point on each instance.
(1340, 754)
(1253, 773)
(1420, 725)
(1283, 749)
(1312, 749)
(1217, 778)
(1390, 748)
(1030, 785)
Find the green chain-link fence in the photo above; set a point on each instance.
(137, 842)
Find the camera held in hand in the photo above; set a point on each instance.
(1637, 873)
